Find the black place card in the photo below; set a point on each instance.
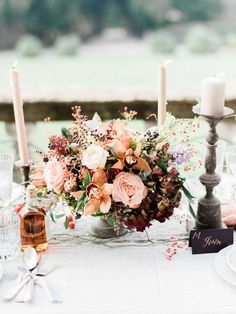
(210, 240)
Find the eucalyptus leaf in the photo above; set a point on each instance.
(52, 217)
(194, 215)
(66, 133)
(67, 222)
(192, 211)
(111, 221)
(190, 199)
(187, 193)
(58, 216)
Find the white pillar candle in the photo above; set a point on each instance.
(19, 117)
(213, 96)
(162, 100)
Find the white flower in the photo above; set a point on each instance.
(94, 157)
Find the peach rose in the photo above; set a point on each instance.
(129, 189)
(55, 174)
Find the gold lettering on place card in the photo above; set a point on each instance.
(209, 241)
(196, 235)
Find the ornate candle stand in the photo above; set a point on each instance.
(209, 211)
(25, 172)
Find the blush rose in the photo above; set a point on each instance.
(55, 174)
(129, 189)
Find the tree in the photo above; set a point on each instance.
(46, 18)
(200, 10)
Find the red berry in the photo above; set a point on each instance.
(72, 225)
(18, 208)
(70, 218)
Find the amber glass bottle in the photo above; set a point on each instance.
(32, 223)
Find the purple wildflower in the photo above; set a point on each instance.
(181, 153)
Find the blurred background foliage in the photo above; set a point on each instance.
(49, 19)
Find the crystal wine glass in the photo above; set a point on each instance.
(9, 221)
(9, 234)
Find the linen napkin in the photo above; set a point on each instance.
(23, 288)
(229, 215)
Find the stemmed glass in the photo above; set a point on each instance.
(9, 222)
(9, 235)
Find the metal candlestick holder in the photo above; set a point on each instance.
(209, 207)
(25, 172)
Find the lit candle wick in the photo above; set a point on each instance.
(14, 65)
(166, 62)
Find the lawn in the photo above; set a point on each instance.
(111, 66)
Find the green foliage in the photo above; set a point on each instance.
(197, 10)
(200, 39)
(29, 46)
(98, 214)
(58, 216)
(111, 221)
(66, 133)
(190, 198)
(67, 45)
(163, 42)
(47, 19)
(66, 222)
(87, 179)
(163, 166)
(81, 201)
(188, 194)
(52, 217)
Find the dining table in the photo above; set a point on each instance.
(132, 274)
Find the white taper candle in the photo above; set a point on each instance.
(19, 117)
(162, 100)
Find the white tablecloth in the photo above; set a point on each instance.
(97, 279)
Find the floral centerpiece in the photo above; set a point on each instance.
(109, 170)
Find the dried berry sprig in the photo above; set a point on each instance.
(128, 114)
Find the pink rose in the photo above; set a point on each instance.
(129, 189)
(55, 174)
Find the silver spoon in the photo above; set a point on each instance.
(30, 261)
(30, 258)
